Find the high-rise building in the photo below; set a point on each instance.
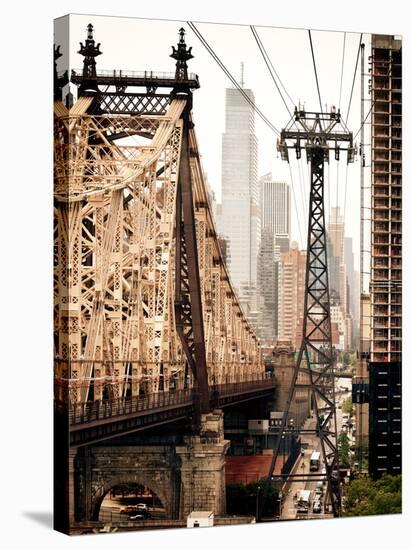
(291, 292)
(275, 205)
(336, 236)
(336, 316)
(386, 253)
(275, 231)
(240, 196)
(352, 290)
(268, 289)
(341, 268)
(349, 261)
(282, 244)
(333, 269)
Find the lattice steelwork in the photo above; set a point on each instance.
(116, 297)
(315, 132)
(133, 103)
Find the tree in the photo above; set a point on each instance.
(347, 406)
(366, 497)
(346, 358)
(361, 454)
(343, 448)
(243, 499)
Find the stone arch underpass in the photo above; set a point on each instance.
(105, 467)
(185, 477)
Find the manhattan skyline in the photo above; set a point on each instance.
(288, 49)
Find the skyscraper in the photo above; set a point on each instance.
(352, 298)
(386, 257)
(275, 205)
(291, 292)
(275, 232)
(268, 289)
(240, 195)
(336, 236)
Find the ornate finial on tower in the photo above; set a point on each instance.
(181, 54)
(90, 51)
(89, 31)
(59, 82)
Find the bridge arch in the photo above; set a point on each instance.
(138, 479)
(103, 467)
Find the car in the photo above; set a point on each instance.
(137, 516)
(128, 509)
(317, 507)
(142, 514)
(133, 508)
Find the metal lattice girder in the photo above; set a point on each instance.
(313, 130)
(318, 133)
(188, 302)
(316, 353)
(116, 182)
(133, 103)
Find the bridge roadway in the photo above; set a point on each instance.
(99, 420)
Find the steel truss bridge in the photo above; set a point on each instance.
(148, 327)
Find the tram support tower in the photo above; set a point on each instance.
(318, 133)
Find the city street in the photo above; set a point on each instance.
(311, 443)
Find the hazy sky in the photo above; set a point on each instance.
(138, 44)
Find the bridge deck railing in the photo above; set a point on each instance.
(80, 413)
(125, 73)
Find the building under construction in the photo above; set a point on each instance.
(386, 249)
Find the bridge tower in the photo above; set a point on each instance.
(148, 327)
(317, 133)
(188, 302)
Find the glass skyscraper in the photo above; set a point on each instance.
(240, 195)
